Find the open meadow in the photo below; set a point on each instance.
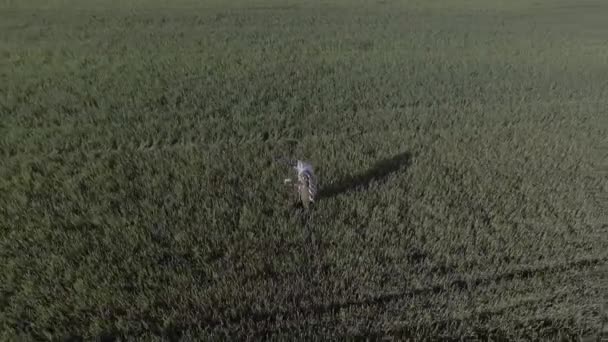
(458, 146)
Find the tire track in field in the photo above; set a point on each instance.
(466, 284)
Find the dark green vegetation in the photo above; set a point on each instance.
(456, 147)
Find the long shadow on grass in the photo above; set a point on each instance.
(361, 181)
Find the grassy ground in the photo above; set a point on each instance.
(457, 146)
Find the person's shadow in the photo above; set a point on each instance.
(361, 181)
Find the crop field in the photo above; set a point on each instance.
(460, 148)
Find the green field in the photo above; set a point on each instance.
(457, 144)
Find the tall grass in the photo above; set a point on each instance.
(456, 146)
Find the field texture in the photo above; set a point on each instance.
(458, 147)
